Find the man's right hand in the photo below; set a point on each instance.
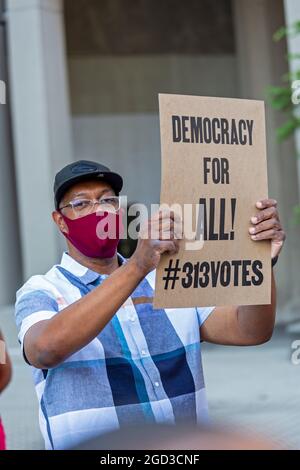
(160, 234)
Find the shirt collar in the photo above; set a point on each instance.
(87, 276)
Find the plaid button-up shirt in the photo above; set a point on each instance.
(144, 366)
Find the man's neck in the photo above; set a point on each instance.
(99, 265)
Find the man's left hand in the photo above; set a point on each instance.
(266, 225)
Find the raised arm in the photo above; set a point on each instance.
(49, 342)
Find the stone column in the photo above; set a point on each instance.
(10, 256)
(41, 121)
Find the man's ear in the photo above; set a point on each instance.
(59, 221)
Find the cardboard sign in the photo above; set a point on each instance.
(214, 157)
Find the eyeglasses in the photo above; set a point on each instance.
(82, 207)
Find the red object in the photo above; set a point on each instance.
(2, 437)
(94, 235)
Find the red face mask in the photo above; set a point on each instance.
(95, 236)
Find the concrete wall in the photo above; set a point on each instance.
(115, 108)
(121, 54)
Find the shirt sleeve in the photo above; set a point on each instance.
(203, 313)
(33, 306)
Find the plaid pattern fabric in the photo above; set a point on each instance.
(144, 366)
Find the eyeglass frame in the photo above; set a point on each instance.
(94, 201)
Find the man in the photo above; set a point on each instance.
(102, 356)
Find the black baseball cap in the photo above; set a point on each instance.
(83, 170)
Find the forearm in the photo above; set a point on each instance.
(256, 322)
(78, 324)
(250, 325)
(241, 326)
